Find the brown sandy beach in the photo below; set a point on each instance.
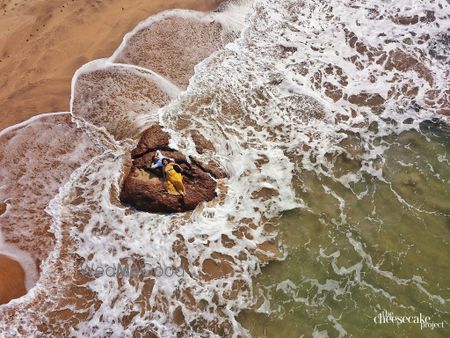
(12, 279)
(42, 43)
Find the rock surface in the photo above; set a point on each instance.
(145, 189)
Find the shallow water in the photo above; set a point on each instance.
(313, 112)
(354, 252)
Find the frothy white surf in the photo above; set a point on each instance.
(284, 97)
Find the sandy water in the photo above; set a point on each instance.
(315, 112)
(353, 253)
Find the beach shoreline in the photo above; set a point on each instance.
(42, 45)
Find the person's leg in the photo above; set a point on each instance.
(179, 187)
(181, 161)
(171, 189)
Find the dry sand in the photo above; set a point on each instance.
(43, 42)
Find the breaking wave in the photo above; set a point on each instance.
(298, 88)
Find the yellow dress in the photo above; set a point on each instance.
(174, 181)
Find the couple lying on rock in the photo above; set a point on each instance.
(171, 172)
(144, 189)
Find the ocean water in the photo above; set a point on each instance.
(329, 118)
(355, 253)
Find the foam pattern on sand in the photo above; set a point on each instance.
(87, 210)
(37, 158)
(302, 79)
(113, 96)
(173, 42)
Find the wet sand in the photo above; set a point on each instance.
(12, 279)
(41, 46)
(42, 43)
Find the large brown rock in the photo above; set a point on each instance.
(145, 189)
(152, 138)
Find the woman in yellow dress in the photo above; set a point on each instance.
(173, 178)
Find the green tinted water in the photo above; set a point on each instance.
(353, 253)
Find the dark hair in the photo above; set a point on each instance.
(165, 159)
